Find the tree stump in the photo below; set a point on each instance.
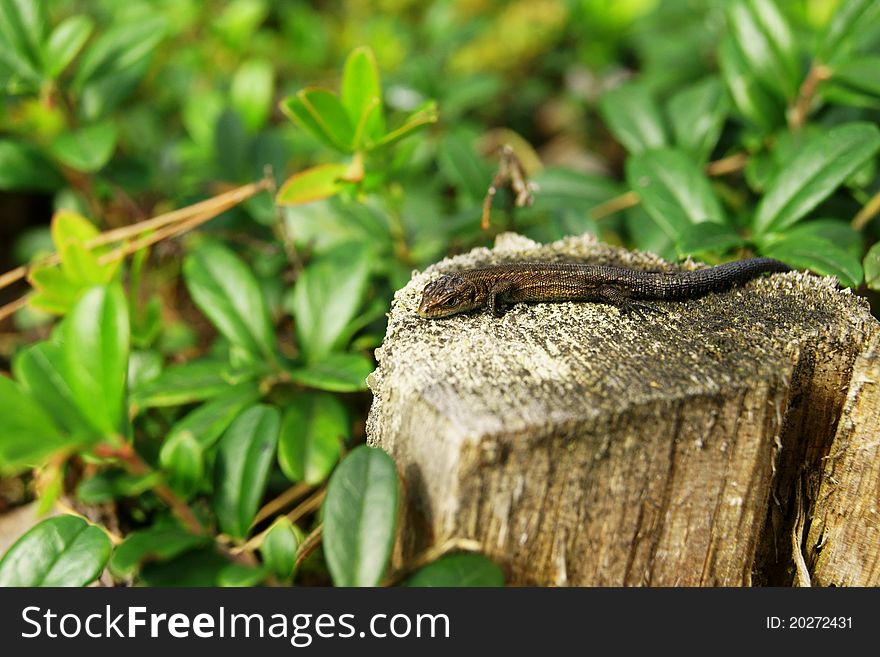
(732, 441)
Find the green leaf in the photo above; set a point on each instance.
(851, 23)
(362, 95)
(419, 119)
(251, 92)
(836, 231)
(189, 382)
(200, 567)
(765, 40)
(753, 100)
(156, 543)
(38, 369)
(226, 291)
(462, 167)
(673, 190)
(66, 40)
(95, 347)
(862, 74)
(822, 164)
(207, 422)
(327, 296)
(87, 149)
(633, 117)
(238, 575)
(562, 189)
(360, 516)
(709, 237)
(314, 184)
(144, 365)
(697, 114)
(60, 551)
(23, 28)
(312, 432)
(244, 457)
(459, 570)
(28, 434)
(23, 167)
(817, 254)
(872, 267)
(279, 547)
(115, 62)
(183, 462)
(335, 373)
(321, 113)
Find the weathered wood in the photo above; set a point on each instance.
(580, 447)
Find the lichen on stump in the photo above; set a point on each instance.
(582, 447)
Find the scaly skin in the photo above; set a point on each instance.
(533, 282)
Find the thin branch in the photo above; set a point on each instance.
(310, 544)
(206, 209)
(310, 504)
(870, 210)
(798, 112)
(729, 164)
(286, 498)
(14, 306)
(616, 204)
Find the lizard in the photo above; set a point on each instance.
(499, 286)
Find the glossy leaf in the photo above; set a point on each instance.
(238, 575)
(27, 435)
(314, 184)
(157, 543)
(697, 114)
(115, 62)
(418, 120)
(226, 291)
(362, 96)
(753, 100)
(767, 44)
(95, 347)
(862, 74)
(335, 373)
(847, 28)
(207, 422)
(312, 432)
(244, 456)
(817, 254)
(327, 296)
(633, 117)
(279, 547)
(566, 189)
(183, 462)
(872, 267)
(709, 236)
(462, 167)
(321, 113)
(87, 149)
(189, 382)
(23, 167)
(673, 190)
(65, 42)
(820, 166)
(251, 92)
(836, 231)
(39, 369)
(459, 570)
(360, 516)
(23, 27)
(61, 551)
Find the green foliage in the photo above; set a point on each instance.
(360, 515)
(209, 388)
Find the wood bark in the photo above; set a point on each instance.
(732, 441)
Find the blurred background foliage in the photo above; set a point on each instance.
(713, 129)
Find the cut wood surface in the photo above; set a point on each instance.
(731, 441)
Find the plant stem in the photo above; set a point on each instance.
(870, 210)
(797, 115)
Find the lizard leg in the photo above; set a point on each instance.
(498, 301)
(617, 297)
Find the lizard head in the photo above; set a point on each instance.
(448, 295)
